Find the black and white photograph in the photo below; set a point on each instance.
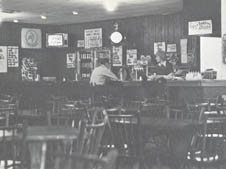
(112, 84)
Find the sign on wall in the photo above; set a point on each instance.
(71, 60)
(171, 48)
(131, 56)
(3, 59)
(200, 27)
(80, 43)
(159, 46)
(93, 38)
(184, 50)
(13, 56)
(31, 38)
(117, 56)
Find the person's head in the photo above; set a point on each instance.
(160, 56)
(104, 61)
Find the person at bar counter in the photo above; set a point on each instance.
(102, 73)
(164, 69)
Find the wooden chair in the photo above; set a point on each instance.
(87, 161)
(124, 129)
(154, 107)
(90, 135)
(69, 114)
(208, 147)
(94, 129)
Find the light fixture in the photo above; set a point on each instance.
(116, 37)
(110, 5)
(43, 17)
(74, 12)
(15, 21)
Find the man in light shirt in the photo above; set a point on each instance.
(102, 73)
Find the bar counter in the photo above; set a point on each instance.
(35, 94)
(181, 92)
(178, 92)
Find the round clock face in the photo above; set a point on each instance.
(31, 38)
(116, 37)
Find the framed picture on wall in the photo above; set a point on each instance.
(31, 38)
(116, 55)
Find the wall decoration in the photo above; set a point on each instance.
(131, 56)
(71, 60)
(159, 46)
(184, 51)
(93, 38)
(3, 59)
(117, 56)
(13, 56)
(200, 27)
(80, 43)
(29, 69)
(31, 38)
(171, 48)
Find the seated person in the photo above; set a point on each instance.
(164, 69)
(102, 73)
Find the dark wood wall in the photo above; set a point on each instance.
(140, 32)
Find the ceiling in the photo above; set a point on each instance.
(60, 11)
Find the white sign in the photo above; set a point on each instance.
(131, 56)
(80, 43)
(13, 56)
(200, 27)
(31, 38)
(159, 46)
(71, 60)
(171, 48)
(117, 56)
(93, 38)
(3, 59)
(183, 48)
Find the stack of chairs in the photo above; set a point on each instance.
(11, 146)
(208, 146)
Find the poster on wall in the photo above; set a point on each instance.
(117, 56)
(183, 48)
(159, 46)
(171, 48)
(71, 60)
(29, 69)
(31, 38)
(93, 38)
(200, 27)
(131, 56)
(3, 59)
(13, 56)
(80, 43)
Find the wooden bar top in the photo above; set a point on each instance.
(192, 83)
